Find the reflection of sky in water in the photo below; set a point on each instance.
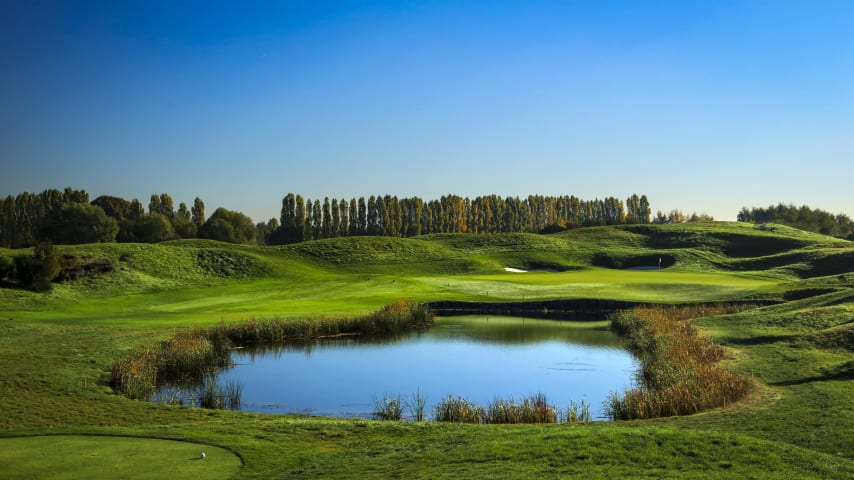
(478, 358)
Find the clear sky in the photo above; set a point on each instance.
(703, 106)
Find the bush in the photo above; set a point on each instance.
(36, 271)
(7, 268)
(80, 223)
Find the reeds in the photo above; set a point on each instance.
(416, 404)
(576, 413)
(216, 397)
(398, 317)
(531, 409)
(193, 353)
(679, 373)
(388, 408)
(459, 410)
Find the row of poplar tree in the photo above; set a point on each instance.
(306, 219)
(67, 217)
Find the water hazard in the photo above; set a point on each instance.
(480, 358)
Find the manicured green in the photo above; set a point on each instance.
(77, 456)
(56, 350)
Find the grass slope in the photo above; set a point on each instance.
(56, 349)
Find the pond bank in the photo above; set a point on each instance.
(579, 309)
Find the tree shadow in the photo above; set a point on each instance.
(759, 339)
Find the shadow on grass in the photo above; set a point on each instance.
(841, 372)
(758, 340)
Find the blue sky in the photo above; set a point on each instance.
(703, 106)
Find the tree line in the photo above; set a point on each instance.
(803, 218)
(387, 215)
(68, 217)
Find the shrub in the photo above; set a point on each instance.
(38, 270)
(7, 268)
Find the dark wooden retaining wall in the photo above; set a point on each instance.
(575, 309)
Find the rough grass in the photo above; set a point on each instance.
(56, 351)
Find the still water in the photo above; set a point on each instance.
(479, 358)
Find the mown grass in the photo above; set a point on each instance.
(87, 456)
(56, 353)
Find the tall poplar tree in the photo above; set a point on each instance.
(197, 212)
(335, 221)
(354, 217)
(317, 220)
(373, 224)
(363, 217)
(300, 219)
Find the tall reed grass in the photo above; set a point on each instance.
(679, 374)
(193, 353)
(530, 409)
(214, 397)
(459, 410)
(416, 404)
(388, 408)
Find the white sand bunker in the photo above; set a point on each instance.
(536, 270)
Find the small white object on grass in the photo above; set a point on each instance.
(202, 455)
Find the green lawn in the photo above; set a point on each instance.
(75, 456)
(56, 350)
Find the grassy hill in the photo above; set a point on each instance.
(56, 348)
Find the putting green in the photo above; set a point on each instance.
(83, 456)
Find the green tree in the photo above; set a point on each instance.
(197, 213)
(316, 220)
(265, 231)
(114, 207)
(300, 221)
(153, 228)
(373, 217)
(229, 226)
(163, 205)
(80, 223)
(335, 221)
(343, 218)
(183, 223)
(363, 217)
(308, 231)
(288, 216)
(326, 220)
(353, 217)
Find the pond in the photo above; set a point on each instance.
(479, 358)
